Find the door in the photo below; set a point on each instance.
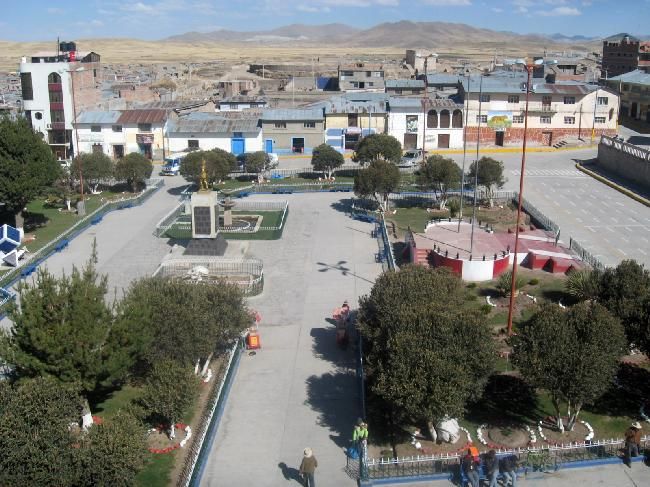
(547, 138)
(145, 150)
(298, 145)
(410, 141)
(268, 145)
(237, 146)
(633, 110)
(498, 139)
(443, 141)
(118, 151)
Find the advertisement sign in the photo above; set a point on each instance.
(144, 138)
(499, 120)
(412, 124)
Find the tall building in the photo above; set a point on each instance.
(56, 86)
(620, 55)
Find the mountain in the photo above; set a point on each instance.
(573, 39)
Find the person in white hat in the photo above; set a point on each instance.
(308, 467)
(632, 441)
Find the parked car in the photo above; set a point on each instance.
(172, 165)
(412, 158)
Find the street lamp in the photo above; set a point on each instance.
(478, 143)
(425, 97)
(462, 176)
(529, 69)
(81, 205)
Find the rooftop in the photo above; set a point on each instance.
(499, 85)
(416, 103)
(212, 123)
(142, 116)
(405, 83)
(295, 114)
(353, 103)
(620, 37)
(99, 117)
(637, 76)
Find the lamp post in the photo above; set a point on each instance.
(593, 123)
(425, 97)
(462, 175)
(81, 205)
(478, 142)
(529, 69)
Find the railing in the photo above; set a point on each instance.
(296, 171)
(206, 429)
(539, 217)
(247, 274)
(34, 259)
(585, 256)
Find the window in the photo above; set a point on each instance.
(544, 119)
(97, 149)
(599, 119)
(118, 151)
(445, 118)
(603, 100)
(57, 116)
(377, 74)
(95, 128)
(144, 127)
(513, 98)
(626, 87)
(347, 73)
(457, 119)
(26, 86)
(280, 125)
(485, 98)
(56, 97)
(432, 119)
(353, 120)
(517, 119)
(370, 83)
(569, 100)
(117, 128)
(53, 78)
(38, 116)
(309, 125)
(192, 144)
(569, 120)
(481, 118)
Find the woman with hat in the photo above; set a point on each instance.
(632, 441)
(308, 467)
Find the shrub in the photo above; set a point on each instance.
(504, 284)
(486, 309)
(471, 297)
(533, 282)
(583, 285)
(454, 206)
(471, 285)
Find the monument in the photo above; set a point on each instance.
(204, 208)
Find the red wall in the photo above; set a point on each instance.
(441, 261)
(500, 266)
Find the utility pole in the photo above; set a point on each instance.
(478, 142)
(462, 177)
(424, 110)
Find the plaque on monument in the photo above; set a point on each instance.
(201, 220)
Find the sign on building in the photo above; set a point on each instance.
(499, 120)
(412, 124)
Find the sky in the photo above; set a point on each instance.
(45, 20)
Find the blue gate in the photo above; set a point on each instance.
(268, 145)
(237, 146)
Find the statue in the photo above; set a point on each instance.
(203, 182)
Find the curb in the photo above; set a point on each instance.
(613, 185)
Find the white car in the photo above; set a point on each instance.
(412, 158)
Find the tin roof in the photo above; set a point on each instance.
(637, 76)
(289, 114)
(242, 99)
(405, 83)
(516, 86)
(443, 79)
(416, 103)
(97, 117)
(170, 105)
(204, 123)
(143, 116)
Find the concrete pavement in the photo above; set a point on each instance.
(299, 390)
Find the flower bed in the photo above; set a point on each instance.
(175, 446)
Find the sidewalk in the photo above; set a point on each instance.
(300, 389)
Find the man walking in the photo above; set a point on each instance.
(308, 467)
(632, 441)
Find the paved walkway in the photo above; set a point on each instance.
(299, 390)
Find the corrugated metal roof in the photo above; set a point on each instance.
(292, 114)
(97, 117)
(416, 103)
(171, 105)
(501, 85)
(443, 79)
(143, 116)
(243, 99)
(353, 103)
(209, 123)
(404, 83)
(637, 76)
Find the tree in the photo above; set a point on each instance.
(64, 328)
(135, 169)
(325, 158)
(378, 180)
(218, 164)
(169, 390)
(425, 355)
(113, 452)
(573, 354)
(378, 147)
(439, 174)
(95, 168)
(490, 175)
(504, 283)
(623, 290)
(36, 442)
(183, 321)
(583, 284)
(257, 162)
(27, 166)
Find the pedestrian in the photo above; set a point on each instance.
(509, 469)
(492, 467)
(632, 441)
(470, 466)
(308, 467)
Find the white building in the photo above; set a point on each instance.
(443, 119)
(54, 85)
(207, 131)
(240, 102)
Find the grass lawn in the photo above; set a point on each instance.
(269, 219)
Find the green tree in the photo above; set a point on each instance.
(504, 283)
(27, 166)
(378, 147)
(218, 164)
(583, 284)
(64, 328)
(573, 354)
(37, 445)
(113, 452)
(425, 355)
(170, 389)
(325, 158)
(257, 162)
(378, 180)
(439, 174)
(490, 176)
(95, 168)
(623, 290)
(134, 169)
(183, 321)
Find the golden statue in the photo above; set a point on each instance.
(203, 182)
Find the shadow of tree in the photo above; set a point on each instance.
(177, 190)
(507, 399)
(34, 221)
(624, 397)
(334, 396)
(325, 347)
(290, 473)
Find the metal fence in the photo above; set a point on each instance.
(539, 217)
(585, 256)
(308, 170)
(247, 274)
(207, 426)
(60, 241)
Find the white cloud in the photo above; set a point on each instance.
(311, 9)
(449, 3)
(560, 12)
(137, 7)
